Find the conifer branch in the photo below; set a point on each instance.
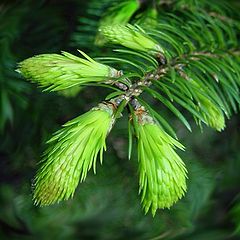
(186, 60)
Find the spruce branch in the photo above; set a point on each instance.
(186, 60)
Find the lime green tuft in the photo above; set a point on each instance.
(162, 172)
(213, 115)
(59, 72)
(72, 153)
(118, 14)
(131, 37)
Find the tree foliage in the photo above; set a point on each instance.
(156, 64)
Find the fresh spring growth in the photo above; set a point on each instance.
(131, 37)
(118, 14)
(162, 172)
(72, 152)
(59, 72)
(213, 115)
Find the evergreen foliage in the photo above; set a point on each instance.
(193, 64)
(155, 67)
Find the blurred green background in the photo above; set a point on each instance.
(107, 205)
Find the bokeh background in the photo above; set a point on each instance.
(107, 205)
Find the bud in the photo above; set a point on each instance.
(213, 116)
(120, 13)
(72, 153)
(162, 172)
(59, 72)
(131, 37)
